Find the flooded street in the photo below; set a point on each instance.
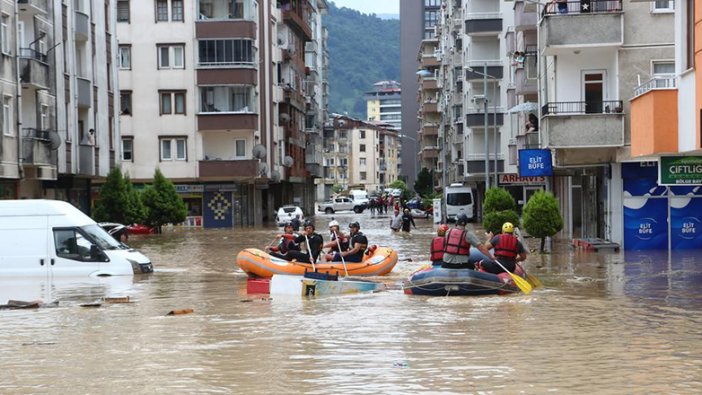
(604, 323)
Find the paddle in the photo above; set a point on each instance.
(523, 284)
(309, 252)
(532, 279)
(343, 262)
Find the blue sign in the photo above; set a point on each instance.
(535, 163)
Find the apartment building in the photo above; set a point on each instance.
(418, 19)
(384, 104)
(661, 193)
(359, 154)
(59, 116)
(218, 95)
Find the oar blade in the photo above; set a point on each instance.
(523, 284)
(535, 281)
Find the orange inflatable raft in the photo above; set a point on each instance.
(258, 263)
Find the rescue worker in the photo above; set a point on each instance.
(437, 246)
(295, 222)
(286, 241)
(508, 250)
(357, 246)
(457, 244)
(336, 234)
(310, 244)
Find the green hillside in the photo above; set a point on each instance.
(363, 49)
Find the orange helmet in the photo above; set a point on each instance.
(441, 230)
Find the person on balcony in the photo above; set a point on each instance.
(562, 6)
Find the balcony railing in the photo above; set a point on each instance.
(656, 83)
(39, 147)
(582, 7)
(582, 107)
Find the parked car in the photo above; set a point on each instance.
(415, 203)
(340, 204)
(286, 213)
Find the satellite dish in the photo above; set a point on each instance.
(263, 169)
(52, 139)
(259, 151)
(288, 161)
(284, 117)
(342, 123)
(275, 176)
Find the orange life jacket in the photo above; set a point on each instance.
(506, 246)
(455, 242)
(437, 249)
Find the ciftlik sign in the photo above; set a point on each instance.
(680, 170)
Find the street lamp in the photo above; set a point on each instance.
(485, 111)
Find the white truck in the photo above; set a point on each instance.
(459, 200)
(54, 238)
(341, 203)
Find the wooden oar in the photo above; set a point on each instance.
(309, 252)
(343, 262)
(271, 244)
(523, 284)
(532, 279)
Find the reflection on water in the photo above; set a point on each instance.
(605, 323)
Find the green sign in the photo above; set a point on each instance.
(680, 170)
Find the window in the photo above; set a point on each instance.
(172, 102)
(173, 149)
(128, 149)
(177, 10)
(363, 176)
(71, 244)
(44, 117)
(363, 134)
(225, 52)
(171, 56)
(162, 10)
(125, 57)
(362, 161)
(4, 31)
(663, 6)
(7, 115)
(362, 148)
(240, 146)
(125, 102)
(663, 68)
(123, 11)
(227, 99)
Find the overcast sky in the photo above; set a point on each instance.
(371, 6)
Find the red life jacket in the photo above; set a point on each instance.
(455, 242)
(506, 246)
(437, 249)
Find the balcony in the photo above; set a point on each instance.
(83, 92)
(222, 29)
(82, 26)
(476, 69)
(524, 85)
(296, 22)
(429, 83)
(583, 124)
(473, 120)
(430, 107)
(34, 69)
(430, 129)
(525, 15)
(429, 61)
(483, 23)
(654, 118)
(86, 160)
(226, 121)
(220, 170)
(39, 147)
(32, 7)
(429, 152)
(597, 23)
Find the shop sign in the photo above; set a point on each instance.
(680, 170)
(189, 188)
(221, 187)
(535, 163)
(515, 179)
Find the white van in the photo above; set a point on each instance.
(459, 200)
(360, 199)
(53, 238)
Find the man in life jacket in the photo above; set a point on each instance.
(508, 250)
(357, 246)
(310, 243)
(286, 241)
(334, 235)
(437, 246)
(457, 244)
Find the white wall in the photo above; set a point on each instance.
(569, 69)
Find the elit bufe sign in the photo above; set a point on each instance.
(680, 170)
(535, 163)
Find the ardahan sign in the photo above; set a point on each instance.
(515, 179)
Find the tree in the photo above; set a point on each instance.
(113, 203)
(499, 207)
(399, 184)
(542, 217)
(337, 188)
(136, 211)
(424, 185)
(162, 202)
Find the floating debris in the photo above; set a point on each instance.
(123, 299)
(180, 312)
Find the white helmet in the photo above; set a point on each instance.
(333, 223)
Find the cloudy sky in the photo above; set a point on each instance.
(371, 6)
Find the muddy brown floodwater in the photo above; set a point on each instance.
(604, 323)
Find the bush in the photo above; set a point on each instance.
(162, 202)
(542, 218)
(498, 199)
(399, 184)
(493, 221)
(424, 185)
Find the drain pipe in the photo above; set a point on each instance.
(18, 98)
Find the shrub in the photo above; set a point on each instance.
(542, 218)
(493, 221)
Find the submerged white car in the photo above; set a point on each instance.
(287, 213)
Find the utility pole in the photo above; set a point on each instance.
(485, 113)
